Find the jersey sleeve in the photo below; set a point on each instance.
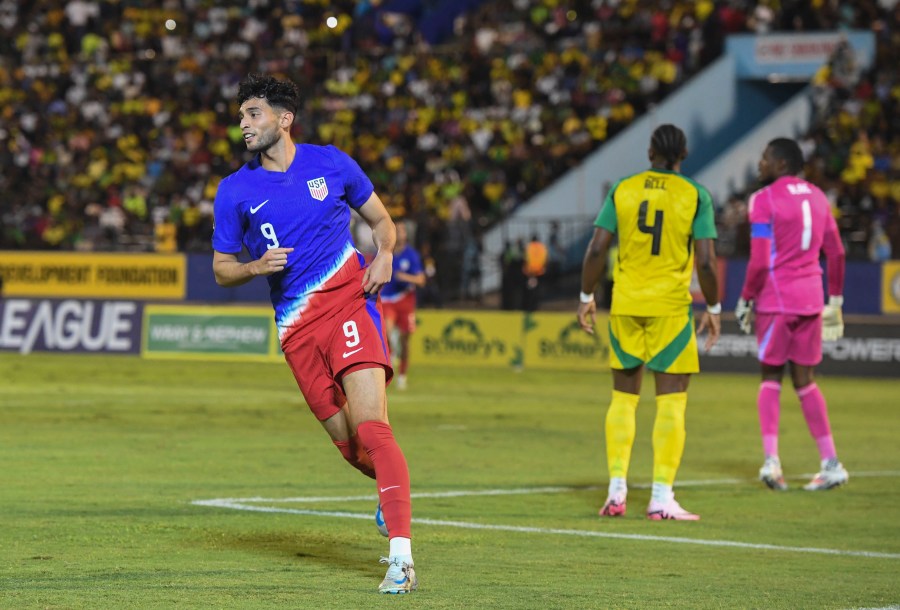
(760, 216)
(356, 183)
(227, 230)
(607, 219)
(835, 258)
(704, 226)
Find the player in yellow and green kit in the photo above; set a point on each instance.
(661, 219)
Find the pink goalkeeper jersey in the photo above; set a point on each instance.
(791, 223)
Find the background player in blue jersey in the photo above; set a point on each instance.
(290, 208)
(399, 299)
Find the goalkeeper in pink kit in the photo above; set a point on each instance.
(790, 224)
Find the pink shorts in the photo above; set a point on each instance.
(402, 313)
(786, 337)
(354, 338)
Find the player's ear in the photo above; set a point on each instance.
(287, 119)
(650, 154)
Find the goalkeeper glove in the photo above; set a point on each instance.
(744, 314)
(832, 319)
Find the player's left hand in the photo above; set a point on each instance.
(743, 312)
(378, 273)
(833, 319)
(586, 312)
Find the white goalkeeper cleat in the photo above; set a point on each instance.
(771, 474)
(831, 475)
(400, 577)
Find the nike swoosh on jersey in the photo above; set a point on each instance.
(348, 354)
(255, 209)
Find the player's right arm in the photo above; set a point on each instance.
(591, 271)
(229, 271)
(227, 240)
(416, 279)
(595, 257)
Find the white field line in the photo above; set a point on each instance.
(552, 531)
(531, 490)
(242, 504)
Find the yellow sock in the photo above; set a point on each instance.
(620, 432)
(668, 436)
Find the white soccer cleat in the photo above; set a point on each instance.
(400, 577)
(671, 510)
(771, 474)
(831, 475)
(379, 521)
(401, 382)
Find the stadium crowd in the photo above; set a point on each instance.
(119, 117)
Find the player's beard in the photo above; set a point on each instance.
(264, 140)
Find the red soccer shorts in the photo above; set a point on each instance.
(782, 337)
(354, 338)
(402, 313)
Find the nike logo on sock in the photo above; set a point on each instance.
(348, 354)
(384, 489)
(254, 210)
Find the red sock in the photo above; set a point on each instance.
(391, 473)
(354, 453)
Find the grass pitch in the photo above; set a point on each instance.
(102, 458)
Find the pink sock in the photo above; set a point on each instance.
(391, 475)
(816, 413)
(769, 406)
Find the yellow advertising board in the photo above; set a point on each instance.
(472, 338)
(556, 341)
(890, 287)
(82, 274)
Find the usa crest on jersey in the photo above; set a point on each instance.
(317, 188)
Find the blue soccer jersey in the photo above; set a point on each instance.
(306, 208)
(406, 261)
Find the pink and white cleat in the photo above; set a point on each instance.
(614, 507)
(659, 511)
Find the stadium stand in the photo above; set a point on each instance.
(119, 118)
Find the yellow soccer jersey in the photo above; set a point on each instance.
(657, 215)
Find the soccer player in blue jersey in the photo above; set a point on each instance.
(399, 298)
(290, 208)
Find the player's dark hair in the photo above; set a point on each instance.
(787, 150)
(670, 143)
(279, 93)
